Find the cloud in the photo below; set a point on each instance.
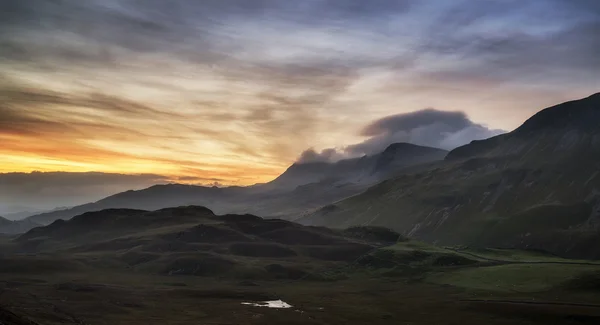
(325, 155)
(233, 89)
(428, 127)
(563, 44)
(415, 120)
(205, 104)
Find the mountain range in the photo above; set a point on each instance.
(302, 187)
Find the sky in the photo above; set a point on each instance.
(231, 92)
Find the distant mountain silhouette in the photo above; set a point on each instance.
(300, 188)
(536, 187)
(15, 227)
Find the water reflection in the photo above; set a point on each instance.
(269, 304)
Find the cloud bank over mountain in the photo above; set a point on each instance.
(427, 127)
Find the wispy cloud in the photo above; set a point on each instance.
(229, 87)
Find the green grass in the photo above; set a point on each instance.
(521, 278)
(486, 254)
(414, 259)
(414, 245)
(502, 200)
(517, 275)
(402, 283)
(514, 255)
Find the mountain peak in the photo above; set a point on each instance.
(398, 146)
(406, 146)
(566, 126)
(402, 154)
(582, 114)
(595, 96)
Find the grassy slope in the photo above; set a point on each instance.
(494, 270)
(494, 202)
(194, 267)
(536, 187)
(193, 241)
(520, 278)
(513, 255)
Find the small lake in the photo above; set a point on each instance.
(269, 304)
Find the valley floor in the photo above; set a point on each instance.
(119, 299)
(500, 293)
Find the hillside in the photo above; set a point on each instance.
(193, 240)
(300, 188)
(536, 187)
(124, 266)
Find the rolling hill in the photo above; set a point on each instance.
(192, 240)
(537, 187)
(186, 264)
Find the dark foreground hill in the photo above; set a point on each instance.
(300, 188)
(537, 187)
(194, 241)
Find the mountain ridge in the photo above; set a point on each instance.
(498, 191)
(579, 115)
(365, 168)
